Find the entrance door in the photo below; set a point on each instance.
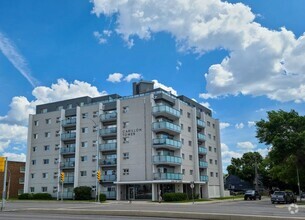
(131, 195)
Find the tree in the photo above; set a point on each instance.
(82, 193)
(244, 167)
(285, 133)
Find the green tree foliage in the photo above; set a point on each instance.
(244, 167)
(285, 133)
(82, 193)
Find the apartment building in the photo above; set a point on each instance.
(144, 145)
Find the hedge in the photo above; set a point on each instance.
(102, 197)
(37, 196)
(24, 196)
(82, 193)
(170, 197)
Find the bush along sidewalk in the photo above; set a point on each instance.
(37, 196)
(171, 197)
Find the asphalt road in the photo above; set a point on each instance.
(263, 207)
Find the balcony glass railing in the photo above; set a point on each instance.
(68, 136)
(108, 131)
(108, 147)
(67, 164)
(203, 164)
(110, 194)
(108, 116)
(67, 195)
(200, 123)
(21, 180)
(204, 178)
(69, 179)
(69, 121)
(107, 162)
(167, 159)
(66, 150)
(201, 137)
(202, 150)
(167, 176)
(166, 109)
(108, 178)
(167, 142)
(166, 125)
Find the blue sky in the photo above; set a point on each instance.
(239, 58)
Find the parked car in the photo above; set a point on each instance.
(303, 195)
(283, 197)
(252, 195)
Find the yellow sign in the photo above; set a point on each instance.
(2, 164)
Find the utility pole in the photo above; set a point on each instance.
(4, 185)
(298, 179)
(256, 176)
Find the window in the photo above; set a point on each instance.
(210, 148)
(211, 174)
(56, 146)
(181, 125)
(44, 110)
(209, 123)
(84, 144)
(188, 115)
(216, 174)
(182, 140)
(125, 171)
(85, 115)
(125, 124)
(183, 171)
(191, 172)
(81, 104)
(35, 136)
(189, 129)
(34, 149)
(69, 106)
(47, 147)
(125, 140)
(95, 114)
(125, 109)
(59, 107)
(46, 161)
(190, 143)
(47, 134)
(215, 150)
(32, 175)
(210, 136)
(33, 162)
(44, 189)
(56, 160)
(83, 158)
(214, 137)
(57, 133)
(83, 173)
(182, 155)
(126, 155)
(36, 123)
(44, 175)
(48, 121)
(216, 162)
(85, 130)
(213, 125)
(32, 189)
(211, 161)
(57, 119)
(94, 143)
(181, 112)
(190, 157)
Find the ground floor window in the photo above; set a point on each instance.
(139, 191)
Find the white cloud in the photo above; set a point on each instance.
(115, 77)
(260, 61)
(102, 37)
(206, 104)
(251, 124)
(166, 88)
(11, 134)
(132, 76)
(223, 125)
(178, 65)
(10, 51)
(246, 146)
(15, 157)
(227, 154)
(239, 126)
(263, 151)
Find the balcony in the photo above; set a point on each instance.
(108, 162)
(67, 165)
(162, 159)
(201, 137)
(68, 136)
(68, 150)
(21, 180)
(70, 122)
(202, 150)
(166, 143)
(108, 147)
(167, 176)
(108, 132)
(108, 178)
(167, 127)
(69, 180)
(203, 164)
(167, 111)
(200, 123)
(107, 117)
(110, 194)
(22, 169)
(204, 178)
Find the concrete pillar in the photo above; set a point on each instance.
(154, 192)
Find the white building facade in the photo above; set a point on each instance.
(144, 145)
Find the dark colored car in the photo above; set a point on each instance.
(303, 195)
(252, 195)
(282, 197)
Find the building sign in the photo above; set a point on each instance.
(131, 132)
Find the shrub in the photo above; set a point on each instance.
(170, 197)
(42, 196)
(82, 193)
(24, 196)
(102, 197)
